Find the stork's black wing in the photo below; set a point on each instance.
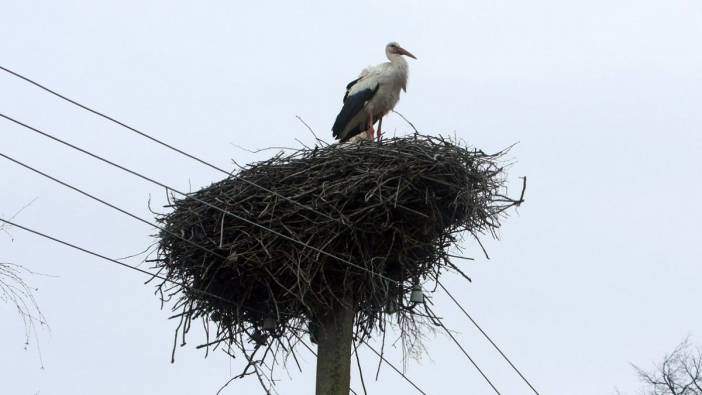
(353, 104)
(348, 88)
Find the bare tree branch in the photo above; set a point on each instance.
(16, 292)
(680, 372)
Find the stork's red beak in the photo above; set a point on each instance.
(405, 52)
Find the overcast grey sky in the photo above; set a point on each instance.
(598, 269)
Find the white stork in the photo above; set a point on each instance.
(373, 94)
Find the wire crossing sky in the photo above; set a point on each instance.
(602, 97)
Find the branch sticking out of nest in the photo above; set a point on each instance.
(392, 209)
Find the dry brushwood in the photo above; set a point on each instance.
(361, 223)
(17, 293)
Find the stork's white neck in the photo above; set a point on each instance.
(397, 60)
(400, 70)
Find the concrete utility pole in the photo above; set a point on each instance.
(334, 351)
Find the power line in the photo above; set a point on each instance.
(126, 265)
(360, 369)
(487, 337)
(157, 141)
(394, 368)
(151, 180)
(108, 204)
(462, 349)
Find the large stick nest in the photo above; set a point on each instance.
(285, 240)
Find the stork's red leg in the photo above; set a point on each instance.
(371, 131)
(380, 127)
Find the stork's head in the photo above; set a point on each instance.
(395, 49)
